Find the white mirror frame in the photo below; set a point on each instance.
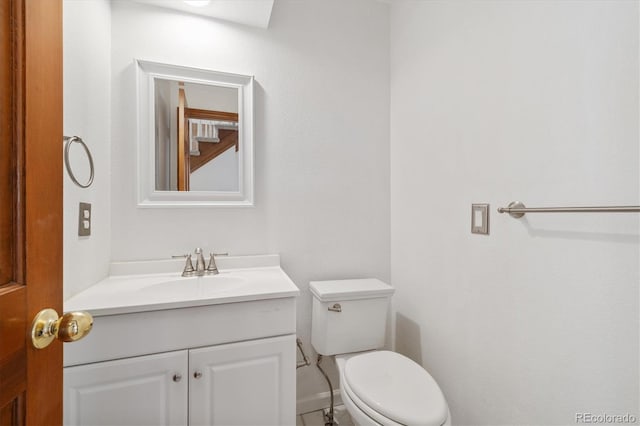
(146, 73)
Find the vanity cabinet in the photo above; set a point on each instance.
(244, 383)
(170, 350)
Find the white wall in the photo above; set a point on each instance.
(536, 101)
(87, 113)
(321, 141)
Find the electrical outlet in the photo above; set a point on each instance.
(84, 219)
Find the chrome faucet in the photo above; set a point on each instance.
(199, 262)
(200, 270)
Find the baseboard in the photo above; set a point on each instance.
(317, 401)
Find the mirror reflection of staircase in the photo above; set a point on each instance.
(209, 151)
(209, 147)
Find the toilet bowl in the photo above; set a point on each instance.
(377, 387)
(386, 388)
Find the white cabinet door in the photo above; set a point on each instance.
(245, 383)
(131, 391)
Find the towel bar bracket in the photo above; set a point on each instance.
(513, 205)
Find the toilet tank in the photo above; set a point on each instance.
(349, 315)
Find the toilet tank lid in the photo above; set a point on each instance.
(363, 288)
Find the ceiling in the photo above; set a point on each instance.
(255, 13)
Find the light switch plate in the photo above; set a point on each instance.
(84, 219)
(480, 219)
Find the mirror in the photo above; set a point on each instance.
(195, 144)
(196, 137)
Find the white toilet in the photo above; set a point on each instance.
(377, 387)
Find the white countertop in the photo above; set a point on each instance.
(132, 288)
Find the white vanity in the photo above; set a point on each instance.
(169, 350)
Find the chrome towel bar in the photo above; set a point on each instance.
(517, 209)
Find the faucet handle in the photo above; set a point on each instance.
(212, 268)
(188, 267)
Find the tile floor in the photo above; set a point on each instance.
(316, 418)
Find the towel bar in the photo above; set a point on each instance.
(517, 209)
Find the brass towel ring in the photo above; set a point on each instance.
(68, 141)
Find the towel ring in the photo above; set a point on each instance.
(68, 141)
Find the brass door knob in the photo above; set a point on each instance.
(69, 327)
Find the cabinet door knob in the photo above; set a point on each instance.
(335, 308)
(177, 377)
(197, 374)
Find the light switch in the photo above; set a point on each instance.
(480, 219)
(477, 216)
(84, 219)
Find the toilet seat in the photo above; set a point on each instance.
(393, 390)
(364, 415)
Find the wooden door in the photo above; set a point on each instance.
(30, 207)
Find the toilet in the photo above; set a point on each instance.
(378, 387)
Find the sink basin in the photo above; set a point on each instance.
(203, 286)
